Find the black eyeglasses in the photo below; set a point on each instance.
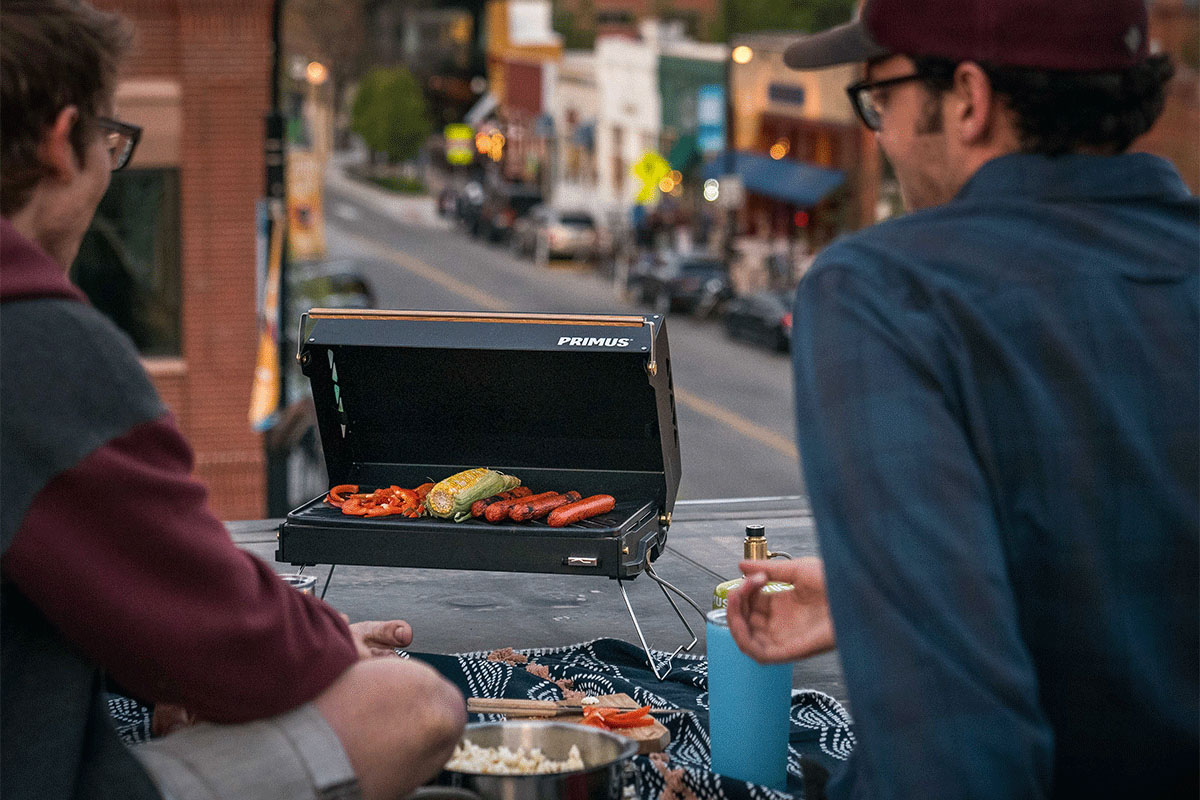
(863, 98)
(121, 138)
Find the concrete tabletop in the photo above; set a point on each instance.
(454, 611)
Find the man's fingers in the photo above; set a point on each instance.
(807, 570)
(392, 633)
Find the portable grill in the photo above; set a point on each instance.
(564, 402)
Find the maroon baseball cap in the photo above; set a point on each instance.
(1067, 35)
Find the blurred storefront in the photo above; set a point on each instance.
(688, 71)
(572, 104)
(520, 41)
(803, 120)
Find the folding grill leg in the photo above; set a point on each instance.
(328, 578)
(665, 586)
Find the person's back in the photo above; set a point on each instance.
(1056, 301)
(997, 414)
(113, 570)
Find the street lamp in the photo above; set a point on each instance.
(316, 73)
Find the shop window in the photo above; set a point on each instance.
(129, 262)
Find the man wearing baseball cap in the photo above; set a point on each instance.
(998, 404)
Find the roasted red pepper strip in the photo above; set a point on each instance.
(628, 716)
(354, 505)
(382, 511)
(335, 498)
(640, 722)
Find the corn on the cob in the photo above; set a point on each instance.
(453, 496)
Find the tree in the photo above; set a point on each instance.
(390, 113)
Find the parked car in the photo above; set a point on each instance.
(547, 233)
(502, 205)
(697, 284)
(447, 201)
(468, 204)
(763, 318)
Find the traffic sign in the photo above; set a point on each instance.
(649, 169)
(460, 143)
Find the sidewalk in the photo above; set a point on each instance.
(409, 209)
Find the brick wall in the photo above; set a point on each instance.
(219, 53)
(1175, 28)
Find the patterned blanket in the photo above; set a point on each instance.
(821, 729)
(820, 733)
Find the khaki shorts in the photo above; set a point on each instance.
(294, 756)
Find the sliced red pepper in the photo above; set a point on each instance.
(595, 722)
(355, 506)
(626, 716)
(381, 511)
(335, 496)
(640, 722)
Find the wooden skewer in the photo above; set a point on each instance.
(546, 708)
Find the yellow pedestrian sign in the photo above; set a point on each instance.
(649, 169)
(460, 144)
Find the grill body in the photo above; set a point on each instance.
(564, 402)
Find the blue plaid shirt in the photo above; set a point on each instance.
(997, 405)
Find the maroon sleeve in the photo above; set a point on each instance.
(122, 554)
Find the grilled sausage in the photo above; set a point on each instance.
(478, 507)
(499, 510)
(581, 509)
(540, 508)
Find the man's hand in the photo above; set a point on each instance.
(167, 718)
(373, 638)
(776, 627)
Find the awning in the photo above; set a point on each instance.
(683, 152)
(788, 180)
(482, 109)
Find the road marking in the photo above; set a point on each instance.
(734, 420)
(430, 273)
(416, 266)
(347, 212)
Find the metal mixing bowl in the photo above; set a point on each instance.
(606, 758)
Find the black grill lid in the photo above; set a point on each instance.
(401, 395)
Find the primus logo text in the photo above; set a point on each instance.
(580, 341)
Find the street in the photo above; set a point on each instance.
(734, 401)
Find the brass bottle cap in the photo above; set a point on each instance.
(755, 544)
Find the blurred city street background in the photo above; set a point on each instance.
(512, 155)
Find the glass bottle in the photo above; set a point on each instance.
(754, 547)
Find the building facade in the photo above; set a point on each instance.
(629, 114)
(573, 102)
(180, 224)
(804, 116)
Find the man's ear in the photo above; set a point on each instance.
(57, 151)
(973, 111)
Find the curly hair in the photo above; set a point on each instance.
(53, 54)
(1065, 112)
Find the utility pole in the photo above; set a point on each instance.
(730, 161)
(275, 190)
